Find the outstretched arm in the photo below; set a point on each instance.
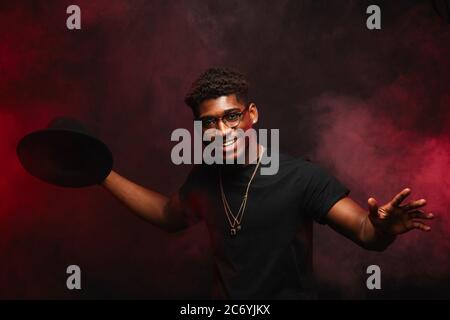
(161, 211)
(378, 227)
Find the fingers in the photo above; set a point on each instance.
(373, 207)
(419, 214)
(397, 200)
(415, 204)
(419, 225)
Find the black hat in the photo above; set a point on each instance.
(65, 154)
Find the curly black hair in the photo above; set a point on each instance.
(217, 82)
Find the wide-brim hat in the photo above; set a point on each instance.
(66, 154)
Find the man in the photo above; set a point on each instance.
(260, 226)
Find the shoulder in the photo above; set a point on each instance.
(303, 169)
(299, 165)
(198, 175)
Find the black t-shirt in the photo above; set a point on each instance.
(271, 256)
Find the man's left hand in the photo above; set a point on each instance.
(394, 218)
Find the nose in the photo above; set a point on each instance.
(225, 131)
(222, 127)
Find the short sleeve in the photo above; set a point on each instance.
(190, 196)
(321, 190)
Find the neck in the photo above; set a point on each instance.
(251, 158)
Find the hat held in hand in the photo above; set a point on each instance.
(65, 154)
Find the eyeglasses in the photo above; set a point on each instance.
(230, 119)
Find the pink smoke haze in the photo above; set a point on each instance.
(376, 155)
(372, 107)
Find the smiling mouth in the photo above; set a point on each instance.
(229, 142)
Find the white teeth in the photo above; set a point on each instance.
(228, 143)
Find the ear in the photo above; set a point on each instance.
(253, 112)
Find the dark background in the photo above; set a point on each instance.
(371, 106)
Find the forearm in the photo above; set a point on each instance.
(147, 204)
(352, 221)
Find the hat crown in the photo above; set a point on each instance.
(66, 123)
(65, 154)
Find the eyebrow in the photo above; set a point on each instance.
(224, 113)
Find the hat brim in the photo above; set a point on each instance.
(65, 158)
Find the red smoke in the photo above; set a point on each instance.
(373, 107)
(124, 73)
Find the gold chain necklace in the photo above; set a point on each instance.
(235, 223)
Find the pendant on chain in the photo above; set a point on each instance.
(233, 231)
